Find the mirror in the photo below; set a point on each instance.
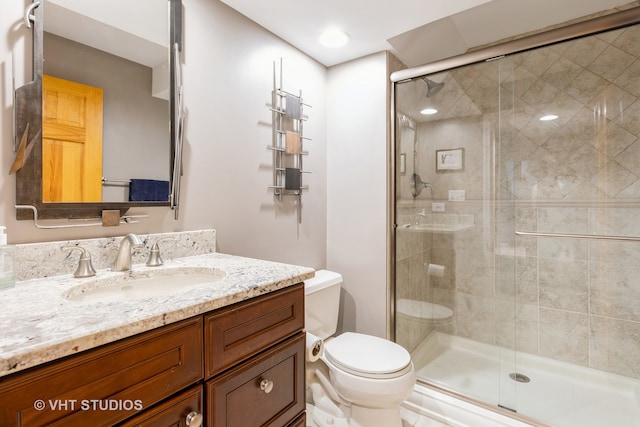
(127, 52)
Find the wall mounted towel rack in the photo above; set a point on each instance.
(118, 182)
(288, 117)
(82, 222)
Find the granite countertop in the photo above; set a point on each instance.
(39, 325)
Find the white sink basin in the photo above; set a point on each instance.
(135, 285)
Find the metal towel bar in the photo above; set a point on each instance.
(125, 219)
(578, 236)
(107, 181)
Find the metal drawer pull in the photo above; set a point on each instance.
(266, 386)
(193, 419)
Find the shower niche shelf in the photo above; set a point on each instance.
(288, 117)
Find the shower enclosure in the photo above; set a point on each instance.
(517, 264)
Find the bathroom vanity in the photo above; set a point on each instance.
(227, 354)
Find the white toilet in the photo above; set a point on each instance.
(370, 375)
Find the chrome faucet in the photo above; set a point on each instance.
(85, 268)
(155, 260)
(123, 258)
(415, 219)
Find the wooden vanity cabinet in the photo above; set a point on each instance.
(263, 344)
(108, 384)
(239, 366)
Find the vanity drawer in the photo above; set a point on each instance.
(237, 332)
(172, 413)
(135, 373)
(239, 397)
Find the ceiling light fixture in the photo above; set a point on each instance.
(428, 111)
(333, 38)
(548, 117)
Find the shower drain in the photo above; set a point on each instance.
(521, 378)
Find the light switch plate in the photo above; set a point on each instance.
(456, 195)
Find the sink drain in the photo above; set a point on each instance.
(521, 378)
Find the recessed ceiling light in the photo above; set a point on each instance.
(548, 117)
(428, 111)
(333, 38)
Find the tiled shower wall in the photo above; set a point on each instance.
(573, 300)
(578, 300)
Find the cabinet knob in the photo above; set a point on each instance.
(266, 386)
(193, 419)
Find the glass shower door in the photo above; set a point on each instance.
(506, 153)
(454, 296)
(576, 181)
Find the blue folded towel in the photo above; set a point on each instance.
(148, 190)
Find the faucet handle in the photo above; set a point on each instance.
(85, 268)
(155, 260)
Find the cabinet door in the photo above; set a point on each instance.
(182, 410)
(265, 391)
(106, 385)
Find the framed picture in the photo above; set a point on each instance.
(450, 160)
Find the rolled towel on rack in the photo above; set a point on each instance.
(148, 190)
(292, 142)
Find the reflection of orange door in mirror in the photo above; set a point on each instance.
(71, 141)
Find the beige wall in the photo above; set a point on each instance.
(357, 204)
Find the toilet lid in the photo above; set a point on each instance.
(368, 356)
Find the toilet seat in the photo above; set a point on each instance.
(368, 356)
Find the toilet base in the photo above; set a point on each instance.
(374, 417)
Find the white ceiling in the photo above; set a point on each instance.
(369, 23)
(416, 31)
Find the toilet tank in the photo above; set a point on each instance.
(322, 303)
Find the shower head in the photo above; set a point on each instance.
(417, 184)
(432, 87)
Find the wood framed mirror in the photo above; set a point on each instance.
(99, 129)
